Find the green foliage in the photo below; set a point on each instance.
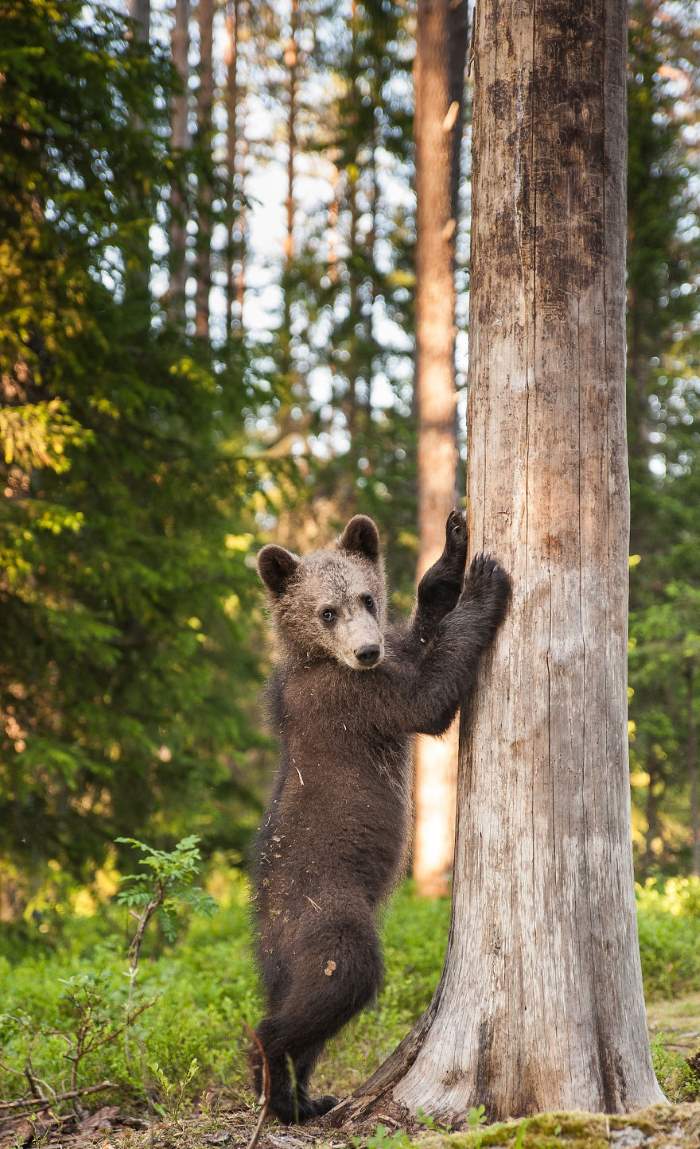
(678, 1079)
(205, 991)
(168, 881)
(384, 1138)
(126, 599)
(669, 929)
(663, 408)
(174, 1094)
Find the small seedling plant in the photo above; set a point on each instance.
(92, 1013)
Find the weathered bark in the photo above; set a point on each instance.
(439, 96)
(693, 771)
(180, 139)
(205, 102)
(540, 1005)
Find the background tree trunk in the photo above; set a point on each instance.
(442, 37)
(234, 192)
(205, 101)
(140, 12)
(540, 1005)
(180, 142)
(137, 286)
(693, 772)
(291, 63)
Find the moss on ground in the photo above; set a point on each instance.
(661, 1127)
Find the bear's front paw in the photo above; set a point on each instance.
(441, 585)
(489, 584)
(456, 538)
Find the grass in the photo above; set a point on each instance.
(192, 1041)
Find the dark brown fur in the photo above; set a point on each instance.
(334, 838)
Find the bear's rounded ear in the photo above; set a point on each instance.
(361, 537)
(275, 567)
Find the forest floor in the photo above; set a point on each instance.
(223, 1124)
(183, 1082)
(661, 1127)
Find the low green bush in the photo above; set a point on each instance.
(205, 992)
(669, 936)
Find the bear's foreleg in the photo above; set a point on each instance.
(441, 585)
(429, 694)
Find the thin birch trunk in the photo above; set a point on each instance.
(234, 195)
(205, 101)
(138, 266)
(439, 87)
(540, 1005)
(291, 60)
(140, 13)
(180, 139)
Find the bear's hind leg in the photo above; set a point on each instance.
(303, 1066)
(338, 971)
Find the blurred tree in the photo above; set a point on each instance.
(125, 594)
(180, 143)
(205, 166)
(663, 403)
(234, 253)
(442, 37)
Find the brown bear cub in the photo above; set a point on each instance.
(348, 694)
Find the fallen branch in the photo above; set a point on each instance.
(44, 1102)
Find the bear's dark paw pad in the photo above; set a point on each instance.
(488, 580)
(322, 1105)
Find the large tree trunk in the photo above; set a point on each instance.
(205, 102)
(180, 139)
(540, 1005)
(439, 92)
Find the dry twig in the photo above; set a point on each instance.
(42, 1102)
(265, 1088)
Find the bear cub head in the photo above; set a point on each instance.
(332, 603)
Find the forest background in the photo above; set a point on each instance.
(207, 341)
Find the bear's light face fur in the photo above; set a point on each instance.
(332, 602)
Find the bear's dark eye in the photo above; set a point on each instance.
(328, 615)
(369, 602)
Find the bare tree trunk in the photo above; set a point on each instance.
(653, 830)
(540, 1004)
(205, 101)
(180, 142)
(234, 194)
(439, 87)
(138, 263)
(693, 771)
(140, 13)
(291, 60)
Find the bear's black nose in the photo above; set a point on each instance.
(367, 655)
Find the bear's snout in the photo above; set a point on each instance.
(368, 655)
